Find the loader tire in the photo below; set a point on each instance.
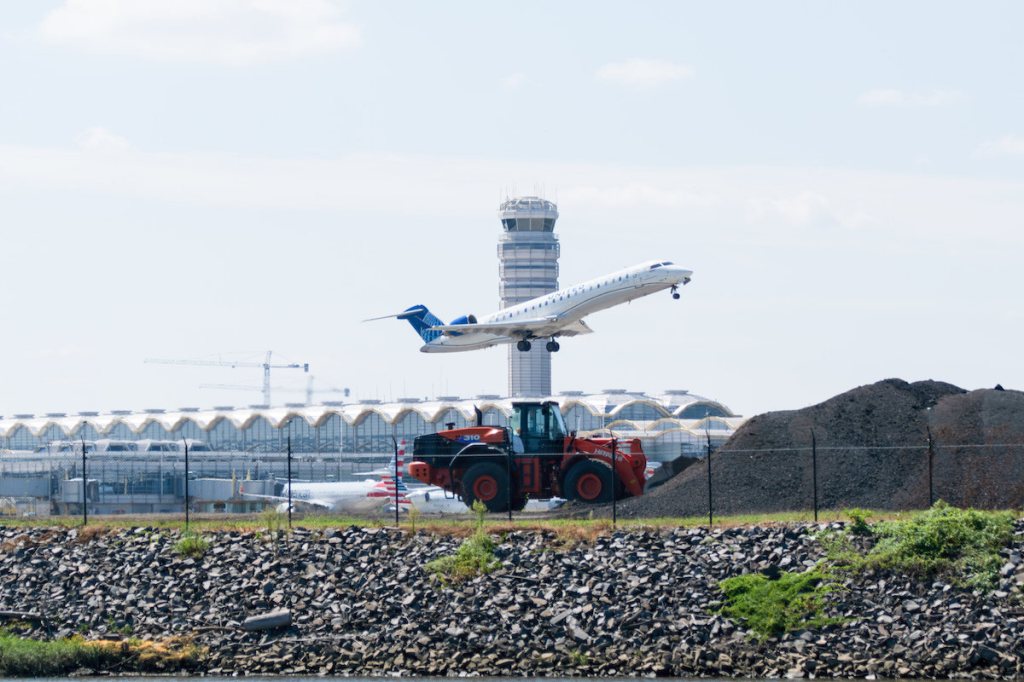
(589, 482)
(488, 483)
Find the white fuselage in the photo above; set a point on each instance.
(435, 500)
(571, 304)
(353, 497)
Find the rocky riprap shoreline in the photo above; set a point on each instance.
(636, 602)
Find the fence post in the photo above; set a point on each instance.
(186, 484)
(711, 506)
(49, 484)
(931, 459)
(508, 480)
(394, 444)
(398, 464)
(289, 478)
(614, 485)
(814, 472)
(85, 484)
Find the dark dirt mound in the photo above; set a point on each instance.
(872, 451)
(887, 413)
(979, 458)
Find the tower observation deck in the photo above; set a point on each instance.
(527, 267)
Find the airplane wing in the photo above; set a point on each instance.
(576, 328)
(539, 327)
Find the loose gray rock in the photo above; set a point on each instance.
(630, 603)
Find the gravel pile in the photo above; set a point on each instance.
(632, 603)
(967, 475)
(872, 452)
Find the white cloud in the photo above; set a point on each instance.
(514, 81)
(644, 73)
(907, 98)
(805, 208)
(102, 140)
(1007, 145)
(636, 194)
(63, 352)
(233, 32)
(738, 199)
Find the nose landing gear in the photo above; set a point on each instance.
(675, 291)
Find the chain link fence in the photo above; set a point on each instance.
(126, 482)
(815, 478)
(729, 482)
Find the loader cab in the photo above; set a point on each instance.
(541, 427)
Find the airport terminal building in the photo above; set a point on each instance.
(669, 424)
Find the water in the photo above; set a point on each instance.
(285, 678)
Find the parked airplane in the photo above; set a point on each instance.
(546, 317)
(349, 497)
(435, 500)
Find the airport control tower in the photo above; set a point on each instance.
(527, 268)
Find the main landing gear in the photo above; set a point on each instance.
(524, 346)
(675, 291)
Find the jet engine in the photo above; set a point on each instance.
(465, 319)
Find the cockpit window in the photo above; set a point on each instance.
(656, 265)
(667, 262)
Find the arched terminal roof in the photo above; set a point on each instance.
(612, 405)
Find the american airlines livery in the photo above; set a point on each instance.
(351, 497)
(546, 317)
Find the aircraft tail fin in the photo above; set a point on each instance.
(422, 320)
(393, 487)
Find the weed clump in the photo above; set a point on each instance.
(414, 516)
(192, 545)
(963, 544)
(578, 659)
(475, 556)
(273, 521)
(768, 608)
(22, 657)
(859, 521)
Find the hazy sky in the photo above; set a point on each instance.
(194, 178)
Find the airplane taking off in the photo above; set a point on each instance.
(545, 317)
(350, 497)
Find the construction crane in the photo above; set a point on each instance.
(266, 365)
(279, 389)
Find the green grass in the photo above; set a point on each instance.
(859, 521)
(962, 545)
(192, 545)
(21, 657)
(766, 607)
(578, 658)
(568, 529)
(274, 521)
(475, 556)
